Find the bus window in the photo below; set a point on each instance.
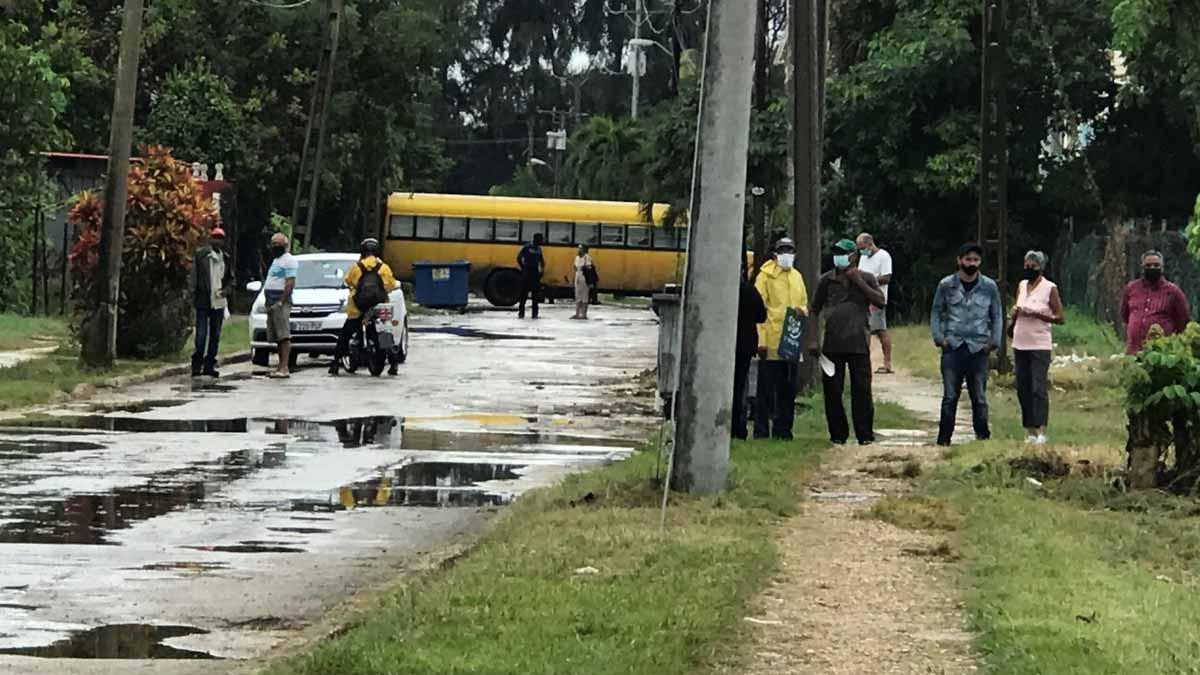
(429, 227)
(481, 229)
(401, 227)
(666, 238)
(613, 235)
(587, 233)
(639, 236)
(508, 230)
(532, 227)
(561, 233)
(454, 229)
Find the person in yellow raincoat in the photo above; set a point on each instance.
(781, 287)
(369, 251)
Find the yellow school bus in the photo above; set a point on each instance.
(633, 255)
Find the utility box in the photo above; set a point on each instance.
(669, 308)
(441, 284)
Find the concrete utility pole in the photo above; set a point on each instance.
(710, 294)
(304, 206)
(807, 23)
(636, 67)
(100, 346)
(993, 148)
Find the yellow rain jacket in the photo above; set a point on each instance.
(779, 289)
(385, 275)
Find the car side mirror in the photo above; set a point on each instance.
(254, 286)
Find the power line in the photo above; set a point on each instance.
(272, 5)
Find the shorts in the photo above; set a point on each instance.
(877, 320)
(279, 328)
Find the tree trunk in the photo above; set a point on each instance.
(1145, 452)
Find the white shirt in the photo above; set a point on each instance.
(878, 264)
(283, 268)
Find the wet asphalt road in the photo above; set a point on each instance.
(172, 521)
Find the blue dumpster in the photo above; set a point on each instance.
(441, 284)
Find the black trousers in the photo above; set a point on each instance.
(775, 407)
(208, 339)
(351, 328)
(531, 288)
(1032, 373)
(861, 403)
(741, 372)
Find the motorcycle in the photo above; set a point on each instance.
(382, 340)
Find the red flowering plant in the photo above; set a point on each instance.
(166, 217)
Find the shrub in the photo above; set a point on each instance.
(166, 217)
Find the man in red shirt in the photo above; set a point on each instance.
(1151, 300)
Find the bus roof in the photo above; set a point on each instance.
(520, 208)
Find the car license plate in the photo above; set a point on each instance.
(306, 326)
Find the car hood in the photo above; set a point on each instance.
(319, 296)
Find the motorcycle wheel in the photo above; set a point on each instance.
(349, 363)
(377, 361)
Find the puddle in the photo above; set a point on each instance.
(89, 518)
(432, 484)
(299, 530)
(138, 406)
(15, 449)
(247, 548)
(185, 567)
(15, 605)
(118, 641)
(466, 441)
(131, 424)
(474, 333)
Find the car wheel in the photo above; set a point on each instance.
(503, 288)
(261, 358)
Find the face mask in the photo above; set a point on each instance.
(970, 270)
(841, 261)
(1030, 274)
(1152, 274)
(278, 250)
(866, 252)
(217, 246)
(786, 260)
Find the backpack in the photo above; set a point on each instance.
(369, 290)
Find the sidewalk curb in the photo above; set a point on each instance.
(86, 391)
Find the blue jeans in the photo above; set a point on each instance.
(958, 365)
(208, 339)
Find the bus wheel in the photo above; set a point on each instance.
(503, 288)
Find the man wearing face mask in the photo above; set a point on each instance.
(845, 295)
(966, 323)
(281, 279)
(212, 283)
(1149, 301)
(780, 286)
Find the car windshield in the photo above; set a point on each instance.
(322, 273)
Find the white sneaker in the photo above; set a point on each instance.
(1040, 440)
(1030, 439)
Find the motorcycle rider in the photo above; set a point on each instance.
(368, 264)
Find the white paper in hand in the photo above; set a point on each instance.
(826, 366)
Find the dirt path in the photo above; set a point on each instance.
(856, 595)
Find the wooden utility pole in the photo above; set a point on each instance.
(993, 147)
(807, 23)
(711, 283)
(308, 181)
(100, 344)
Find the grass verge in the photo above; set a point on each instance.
(657, 603)
(19, 332)
(37, 381)
(1066, 573)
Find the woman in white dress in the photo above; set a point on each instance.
(583, 262)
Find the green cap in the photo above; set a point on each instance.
(846, 245)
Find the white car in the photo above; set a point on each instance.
(318, 309)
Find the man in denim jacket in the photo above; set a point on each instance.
(966, 324)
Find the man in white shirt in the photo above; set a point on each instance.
(281, 279)
(879, 263)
